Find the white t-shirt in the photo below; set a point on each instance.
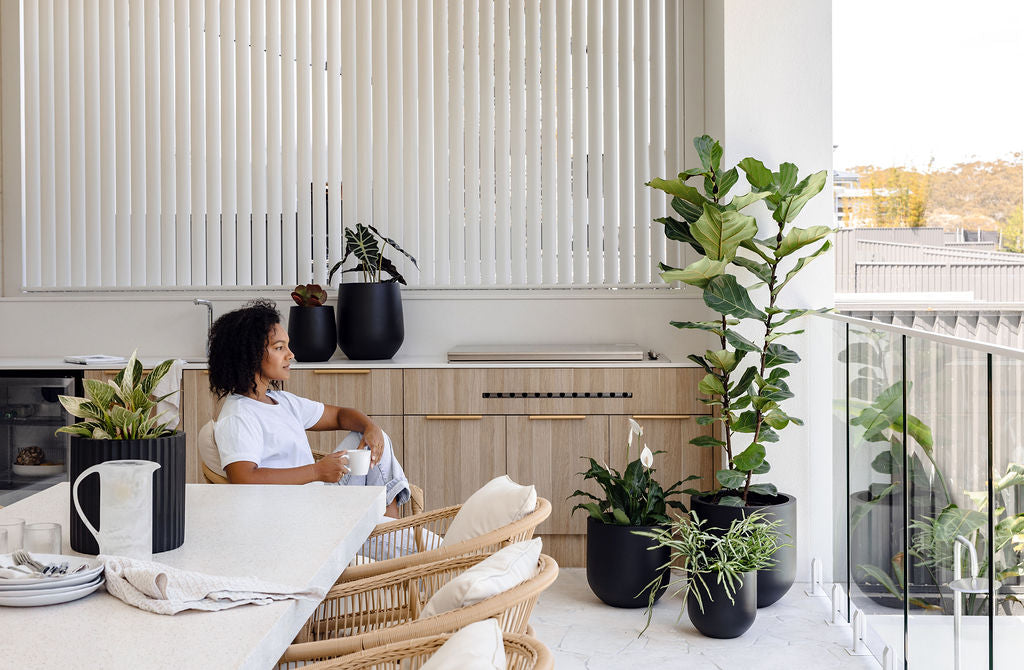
(271, 436)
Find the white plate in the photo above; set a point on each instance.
(34, 591)
(37, 470)
(47, 598)
(93, 568)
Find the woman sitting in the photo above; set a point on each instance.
(261, 430)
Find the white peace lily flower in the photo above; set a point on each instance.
(634, 429)
(646, 458)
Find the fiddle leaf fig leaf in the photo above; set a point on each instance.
(739, 342)
(679, 189)
(709, 151)
(764, 489)
(698, 273)
(730, 501)
(749, 458)
(710, 326)
(706, 441)
(801, 237)
(680, 232)
(722, 232)
(741, 201)
(790, 207)
(731, 479)
(727, 180)
(778, 354)
(746, 423)
(785, 179)
(711, 385)
(724, 359)
(758, 175)
(762, 271)
(725, 295)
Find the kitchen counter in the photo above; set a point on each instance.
(398, 362)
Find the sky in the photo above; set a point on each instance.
(916, 80)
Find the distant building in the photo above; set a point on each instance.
(953, 283)
(847, 193)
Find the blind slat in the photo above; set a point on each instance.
(318, 209)
(258, 129)
(533, 144)
(564, 222)
(183, 144)
(167, 232)
(289, 174)
(197, 128)
(62, 229)
(275, 180)
(228, 163)
(410, 156)
(214, 155)
(104, 162)
(243, 147)
(579, 142)
(486, 97)
(625, 163)
(549, 191)
(502, 145)
(427, 190)
(349, 123)
(595, 138)
(441, 191)
(335, 145)
(153, 134)
(610, 187)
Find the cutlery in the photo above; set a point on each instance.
(22, 557)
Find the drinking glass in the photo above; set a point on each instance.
(42, 538)
(14, 529)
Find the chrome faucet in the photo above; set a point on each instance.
(209, 319)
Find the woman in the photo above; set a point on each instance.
(261, 429)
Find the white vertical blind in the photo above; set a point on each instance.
(503, 143)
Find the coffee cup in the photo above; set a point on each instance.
(358, 461)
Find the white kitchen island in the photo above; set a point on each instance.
(296, 535)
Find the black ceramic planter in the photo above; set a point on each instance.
(774, 582)
(717, 616)
(168, 486)
(370, 325)
(312, 334)
(619, 565)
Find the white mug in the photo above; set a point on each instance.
(358, 461)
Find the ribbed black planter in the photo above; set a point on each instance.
(774, 582)
(168, 486)
(312, 333)
(370, 325)
(619, 565)
(721, 617)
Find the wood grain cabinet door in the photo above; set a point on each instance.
(376, 391)
(451, 456)
(198, 405)
(547, 451)
(326, 441)
(671, 434)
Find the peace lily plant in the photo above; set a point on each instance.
(742, 277)
(633, 497)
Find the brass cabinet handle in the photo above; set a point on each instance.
(662, 416)
(340, 371)
(453, 417)
(556, 417)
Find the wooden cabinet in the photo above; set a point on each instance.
(451, 456)
(198, 406)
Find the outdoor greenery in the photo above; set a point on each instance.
(362, 243)
(309, 295)
(634, 497)
(747, 401)
(121, 408)
(748, 545)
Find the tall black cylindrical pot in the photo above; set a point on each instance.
(620, 566)
(717, 616)
(773, 582)
(312, 333)
(168, 486)
(370, 325)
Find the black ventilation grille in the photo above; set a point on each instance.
(557, 394)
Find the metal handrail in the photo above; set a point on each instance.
(974, 345)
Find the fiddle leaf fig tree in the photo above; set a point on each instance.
(742, 277)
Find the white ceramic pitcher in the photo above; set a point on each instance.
(126, 507)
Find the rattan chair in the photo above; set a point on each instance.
(399, 532)
(522, 652)
(382, 610)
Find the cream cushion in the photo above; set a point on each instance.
(208, 449)
(497, 503)
(478, 646)
(496, 574)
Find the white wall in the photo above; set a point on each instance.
(776, 89)
(172, 325)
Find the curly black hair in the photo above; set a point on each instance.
(238, 342)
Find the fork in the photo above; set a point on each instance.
(22, 557)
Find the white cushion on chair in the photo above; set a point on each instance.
(497, 503)
(503, 570)
(478, 646)
(208, 449)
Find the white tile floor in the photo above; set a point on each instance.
(583, 632)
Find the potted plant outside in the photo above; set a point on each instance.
(312, 332)
(747, 399)
(721, 569)
(620, 565)
(370, 323)
(118, 423)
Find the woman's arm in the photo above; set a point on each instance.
(345, 418)
(330, 468)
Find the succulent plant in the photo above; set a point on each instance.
(120, 408)
(309, 295)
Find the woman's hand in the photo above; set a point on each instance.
(331, 467)
(373, 438)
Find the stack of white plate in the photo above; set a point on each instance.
(84, 575)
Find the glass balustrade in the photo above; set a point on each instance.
(929, 447)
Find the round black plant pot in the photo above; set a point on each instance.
(168, 486)
(620, 566)
(312, 333)
(717, 616)
(370, 325)
(773, 582)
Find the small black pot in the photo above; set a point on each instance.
(312, 333)
(773, 582)
(168, 486)
(721, 617)
(620, 566)
(370, 325)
